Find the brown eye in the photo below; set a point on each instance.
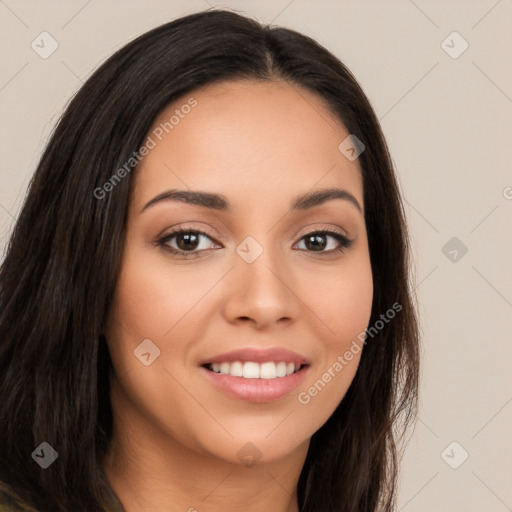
(318, 241)
(186, 242)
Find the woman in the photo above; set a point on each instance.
(205, 302)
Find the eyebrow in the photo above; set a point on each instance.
(221, 203)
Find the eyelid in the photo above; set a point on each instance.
(333, 231)
(307, 231)
(166, 236)
(177, 228)
(314, 228)
(344, 241)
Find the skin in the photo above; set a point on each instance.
(176, 437)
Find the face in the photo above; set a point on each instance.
(236, 318)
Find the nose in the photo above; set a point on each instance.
(262, 292)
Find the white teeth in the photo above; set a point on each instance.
(268, 371)
(281, 369)
(237, 369)
(252, 370)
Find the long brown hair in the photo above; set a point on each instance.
(60, 271)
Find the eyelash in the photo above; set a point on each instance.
(344, 242)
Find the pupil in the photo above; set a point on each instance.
(191, 241)
(318, 241)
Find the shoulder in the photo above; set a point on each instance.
(11, 502)
(9, 505)
(114, 505)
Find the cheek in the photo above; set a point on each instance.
(153, 297)
(343, 302)
(343, 305)
(162, 301)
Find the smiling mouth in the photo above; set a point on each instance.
(253, 370)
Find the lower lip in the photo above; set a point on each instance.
(256, 390)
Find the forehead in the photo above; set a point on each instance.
(269, 137)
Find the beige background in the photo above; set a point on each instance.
(449, 125)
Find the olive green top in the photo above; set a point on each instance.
(7, 504)
(10, 501)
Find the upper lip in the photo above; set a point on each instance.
(257, 355)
